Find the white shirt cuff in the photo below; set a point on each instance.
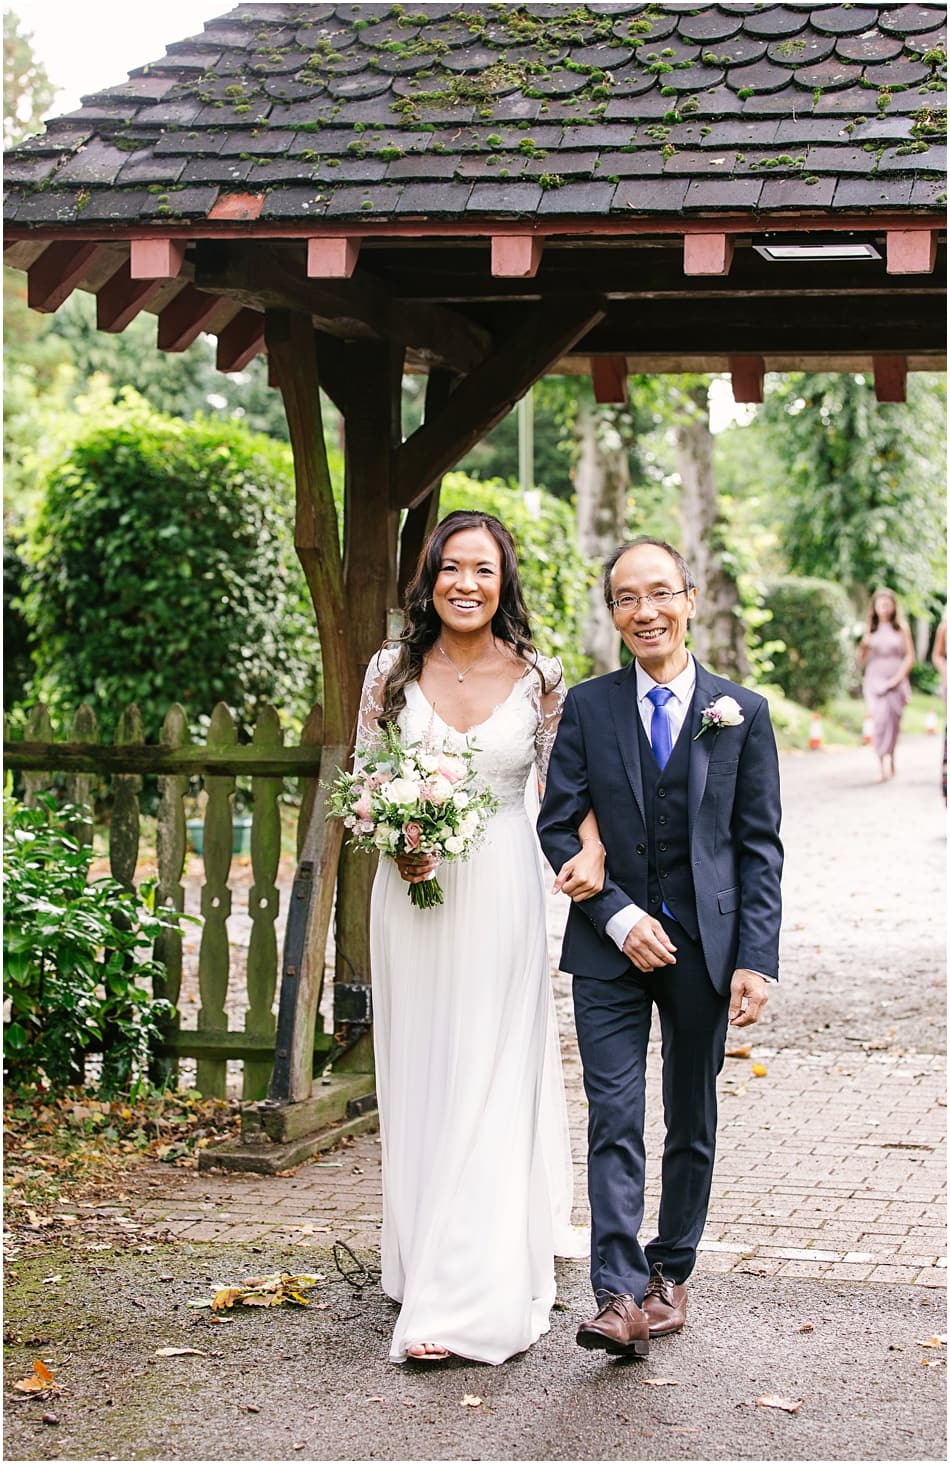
(619, 926)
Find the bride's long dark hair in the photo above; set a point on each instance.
(509, 623)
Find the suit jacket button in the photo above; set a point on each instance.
(662, 819)
(664, 874)
(663, 847)
(661, 792)
(641, 848)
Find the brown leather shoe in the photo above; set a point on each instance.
(664, 1304)
(619, 1327)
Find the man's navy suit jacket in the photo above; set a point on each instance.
(734, 817)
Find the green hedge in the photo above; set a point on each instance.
(163, 570)
(809, 639)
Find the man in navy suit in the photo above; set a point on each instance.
(681, 769)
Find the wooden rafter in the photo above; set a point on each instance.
(332, 259)
(707, 254)
(609, 375)
(516, 255)
(748, 378)
(489, 393)
(890, 378)
(156, 259)
(240, 340)
(361, 307)
(52, 278)
(184, 318)
(122, 298)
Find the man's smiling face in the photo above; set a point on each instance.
(654, 634)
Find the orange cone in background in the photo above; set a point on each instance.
(814, 736)
(931, 724)
(866, 731)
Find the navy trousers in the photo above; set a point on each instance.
(613, 1021)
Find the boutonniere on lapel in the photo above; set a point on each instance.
(725, 711)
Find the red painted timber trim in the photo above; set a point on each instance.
(52, 277)
(609, 375)
(707, 254)
(515, 256)
(332, 259)
(748, 378)
(890, 378)
(488, 228)
(240, 341)
(156, 259)
(184, 318)
(121, 298)
(911, 251)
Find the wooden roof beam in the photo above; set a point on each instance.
(748, 378)
(354, 309)
(240, 341)
(489, 393)
(122, 298)
(609, 375)
(332, 259)
(184, 318)
(707, 254)
(890, 378)
(911, 251)
(516, 256)
(156, 259)
(52, 278)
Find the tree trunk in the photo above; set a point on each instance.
(601, 485)
(717, 632)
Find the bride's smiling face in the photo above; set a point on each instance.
(467, 589)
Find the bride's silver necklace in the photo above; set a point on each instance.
(461, 675)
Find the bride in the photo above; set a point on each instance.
(477, 1179)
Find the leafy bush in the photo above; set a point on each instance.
(164, 570)
(809, 638)
(555, 576)
(71, 959)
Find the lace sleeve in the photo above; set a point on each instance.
(550, 704)
(371, 704)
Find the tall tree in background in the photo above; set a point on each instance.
(863, 502)
(718, 630)
(28, 92)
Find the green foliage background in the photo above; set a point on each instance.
(163, 570)
(811, 650)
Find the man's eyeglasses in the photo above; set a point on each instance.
(657, 598)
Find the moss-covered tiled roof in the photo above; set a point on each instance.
(509, 111)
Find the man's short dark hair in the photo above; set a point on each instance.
(674, 554)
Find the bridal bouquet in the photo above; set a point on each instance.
(414, 800)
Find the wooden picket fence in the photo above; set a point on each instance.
(177, 761)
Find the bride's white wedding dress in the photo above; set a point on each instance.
(477, 1178)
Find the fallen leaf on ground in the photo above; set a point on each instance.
(787, 1405)
(759, 1070)
(271, 1290)
(932, 1362)
(807, 1327)
(179, 1352)
(660, 1382)
(933, 1342)
(744, 1051)
(40, 1380)
(471, 1401)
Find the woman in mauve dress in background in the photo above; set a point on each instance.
(887, 654)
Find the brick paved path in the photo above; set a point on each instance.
(832, 1164)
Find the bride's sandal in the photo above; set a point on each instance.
(427, 1352)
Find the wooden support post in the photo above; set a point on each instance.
(292, 350)
(516, 256)
(240, 341)
(890, 378)
(489, 392)
(332, 259)
(707, 254)
(911, 251)
(609, 375)
(121, 299)
(373, 412)
(421, 520)
(156, 259)
(52, 277)
(748, 378)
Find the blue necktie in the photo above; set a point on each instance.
(661, 733)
